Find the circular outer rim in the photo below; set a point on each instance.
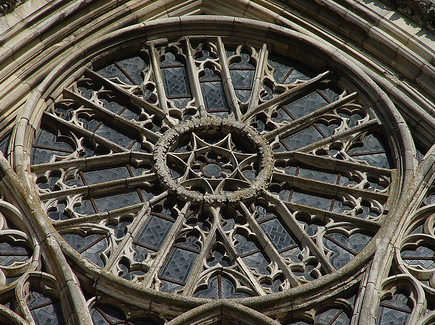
(72, 63)
(171, 136)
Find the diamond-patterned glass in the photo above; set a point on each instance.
(116, 201)
(302, 138)
(214, 96)
(10, 254)
(311, 200)
(105, 175)
(91, 247)
(175, 82)
(277, 234)
(115, 136)
(422, 256)
(45, 310)
(306, 105)
(344, 248)
(178, 265)
(154, 232)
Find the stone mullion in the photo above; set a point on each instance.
(227, 81)
(166, 247)
(191, 284)
(314, 186)
(194, 80)
(114, 159)
(258, 78)
(269, 248)
(330, 164)
(291, 94)
(158, 79)
(309, 119)
(327, 215)
(95, 218)
(239, 261)
(133, 128)
(99, 189)
(291, 222)
(137, 102)
(86, 133)
(367, 126)
(140, 219)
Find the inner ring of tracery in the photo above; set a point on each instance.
(300, 164)
(213, 160)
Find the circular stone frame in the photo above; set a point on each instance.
(76, 58)
(170, 139)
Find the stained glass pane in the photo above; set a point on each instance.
(105, 315)
(277, 234)
(46, 145)
(91, 247)
(214, 96)
(116, 201)
(306, 105)
(302, 138)
(372, 151)
(394, 311)
(344, 248)
(422, 256)
(175, 81)
(178, 265)
(318, 175)
(85, 207)
(285, 73)
(243, 245)
(105, 175)
(10, 254)
(311, 200)
(154, 232)
(133, 67)
(227, 289)
(170, 287)
(44, 310)
(59, 212)
(258, 262)
(130, 67)
(115, 136)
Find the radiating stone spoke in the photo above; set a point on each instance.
(102, 188)
(329, 163)
(341, 136)
(305, 184)
(291, 94)
(134, 100)
(301, 235)
(307, 120)
(129, 126)
(87, 134)
(94, 162)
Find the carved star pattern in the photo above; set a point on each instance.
(213, 167)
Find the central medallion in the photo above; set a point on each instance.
(213, 160)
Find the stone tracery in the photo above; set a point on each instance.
(106, 199)
(267, 239)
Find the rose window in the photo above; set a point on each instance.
(212, 169)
